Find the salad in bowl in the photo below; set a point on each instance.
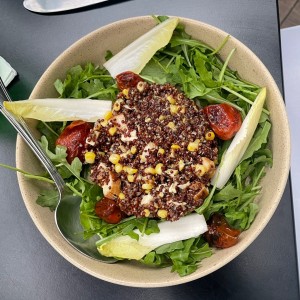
(167, 146)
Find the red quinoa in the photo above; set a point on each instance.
(165, 152)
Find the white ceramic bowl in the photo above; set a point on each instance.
(114, 37)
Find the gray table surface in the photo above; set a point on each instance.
(29, 267)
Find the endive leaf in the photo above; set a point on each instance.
(136, 55)
(53, 110)
(126, 247)
(240, 142)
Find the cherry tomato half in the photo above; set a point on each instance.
(127, 80)
(224, 120)
(219, 233)
(73, 137)
(108, 210)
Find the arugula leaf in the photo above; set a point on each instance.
(48, 198)
(260, 137)
(183, 256)
(87, 82)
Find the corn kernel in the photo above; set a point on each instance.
(130, 170)
(108, 115)
(130, 178)
(193, 146)
(181, 165)
(121, 196)
(89, 157)
(174, 146)
(133, 149)
(147, 186)
(158, 169)
(118, 167)
(171, 125)
(114, 158)
(182, 110)
(112, 130)
(117, 106)
(125, 92)
(210, 135)
(161, 194)
(141, 86)
(171, 99)
(200, 170)
(162, 213)
(174, 108)
(147, 120)
(161, 151)
(161, 117)
(146, 212)
(104, 123)
(150, 170)
(142, 159)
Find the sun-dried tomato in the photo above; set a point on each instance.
(73, 137)
(127, 80)
(108, 210)
(219, 233)
(224, 120)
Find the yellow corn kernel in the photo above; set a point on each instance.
(130, 170)
(158, 169)
(147, 186)
(112, 130)
(142, 159)
(161, 117)
(89, 157)
(174, 108)
(118, 167)
(174, 146)
(141, 86)
(146, 212)
(161, 194)
(117, 106)
(108, 115)
(193, 146)
(181, 165)
(210, 135)
(133, 149)
(150, 170)
(125, 92)
(121, 196)
(130, 178)
(171, 99)
(200, 170)
(171, 125)
(162, 213)
(161, 151)
(104, 123)
(114, 158)
(182, 110)
(147, 120)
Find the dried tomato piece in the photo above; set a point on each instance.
(108, 210)
(219, 233)
(224, 120)
(73, 137)
(127, 80)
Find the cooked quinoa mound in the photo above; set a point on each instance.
(155, 152)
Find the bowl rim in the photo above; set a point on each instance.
(68, 254)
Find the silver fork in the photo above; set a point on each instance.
(67, 212)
